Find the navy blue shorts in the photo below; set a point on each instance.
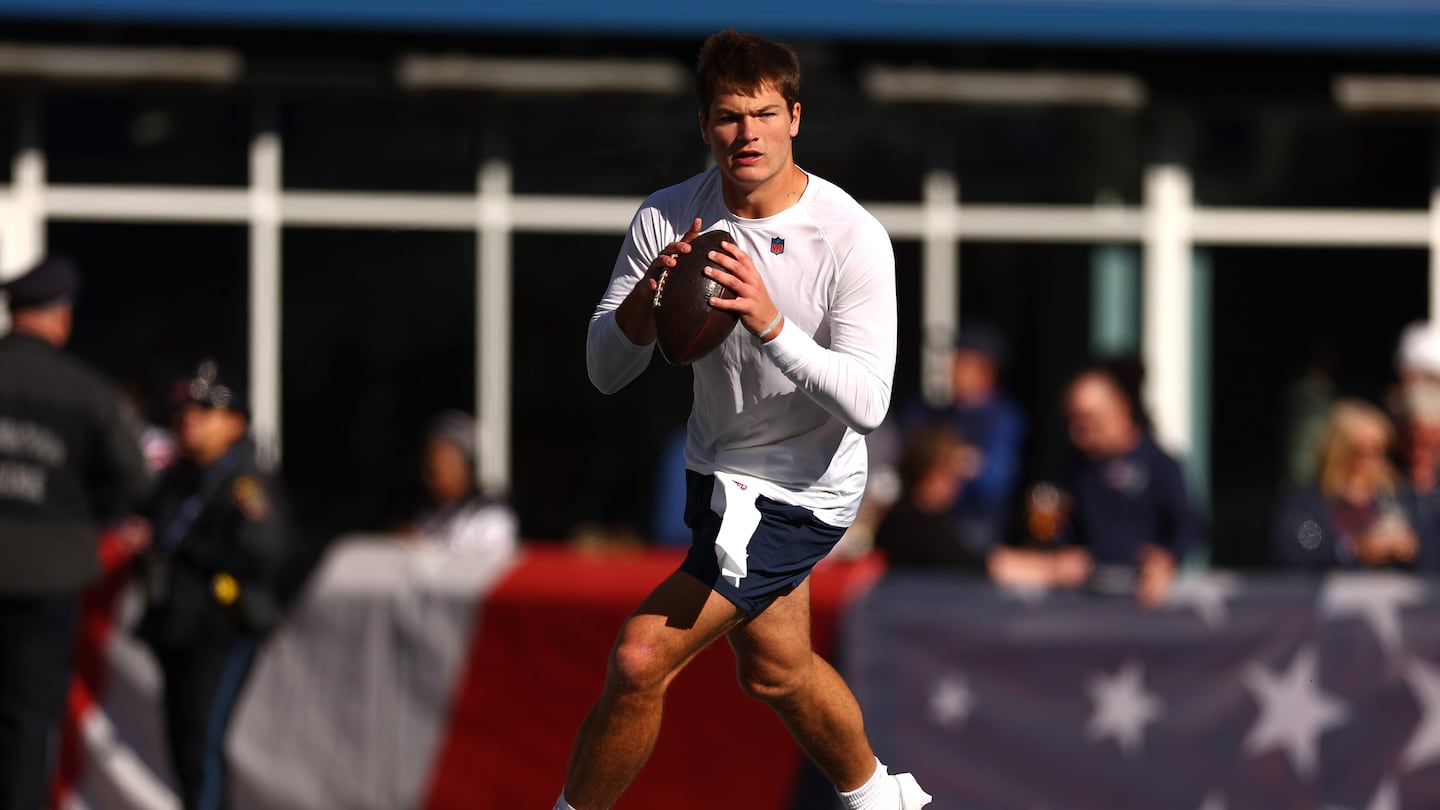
(787, 543)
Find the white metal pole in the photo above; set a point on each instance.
(1167, 328)
(1434, 311)
(939, 284)
(22, 215)
(492, 330)
(23, 242)
(265, 295)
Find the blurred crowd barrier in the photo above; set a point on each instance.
(413, 676)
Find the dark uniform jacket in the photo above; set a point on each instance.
(68, 456)
(219, 539)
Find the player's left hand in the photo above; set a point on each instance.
(732, 267)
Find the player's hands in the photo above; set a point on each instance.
(633, 316)
(732, 267)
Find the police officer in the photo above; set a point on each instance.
(219, 540)
(68, 457)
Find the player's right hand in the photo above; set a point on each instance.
(666, 259)
(633, 315)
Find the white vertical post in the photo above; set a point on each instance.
(939, 284)
(1434, 311)
(1167, 344)
(22, 217)
(265, 295)
(492, 330)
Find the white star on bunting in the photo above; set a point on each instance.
(1293, 711)
(1424, 746)
(1214, 801)
(1376, 598)
(950, 701)
(1122, 707)
(1027, 595)
(1206, 595)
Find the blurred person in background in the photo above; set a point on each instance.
(990, 423)
(458, 514)
(1417, 358)
(918, 532)
(1355, 513)
(1420, 464)
(1305, 409)
(221, 535)
(69, 457)
(1129, 506)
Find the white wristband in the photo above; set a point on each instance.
(770, 330)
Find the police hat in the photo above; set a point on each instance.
(52, 281)
(210, 388)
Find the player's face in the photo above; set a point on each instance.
(749, 136)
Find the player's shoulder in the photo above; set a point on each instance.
(836, 211)
(682, 198)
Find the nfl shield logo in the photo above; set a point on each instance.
(777, 245)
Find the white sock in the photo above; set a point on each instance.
(561, 804)
(879, 793)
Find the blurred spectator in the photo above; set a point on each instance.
(1355, 513)
(1417, 359)
(667, 517)
(1306, 408)
(1130, 507)
(990, 423)
(69, 456)
(1420, 455)
(459, 514)
(221, 537)
(918, 532)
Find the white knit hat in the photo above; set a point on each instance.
(1419, 349)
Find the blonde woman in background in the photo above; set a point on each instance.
(1355, 515)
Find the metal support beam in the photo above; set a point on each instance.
(493, 327)
(939, 284)
(1434, 310)
(265, 296)
(1114, 300)
(22, 215)
(1167, 335)
(22, 211)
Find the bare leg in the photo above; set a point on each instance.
(778, 667)
(678, 620)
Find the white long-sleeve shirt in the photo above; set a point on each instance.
(790, 413)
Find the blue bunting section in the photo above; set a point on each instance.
(1239, 693)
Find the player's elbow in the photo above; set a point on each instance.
(868, 418)
(605, 384)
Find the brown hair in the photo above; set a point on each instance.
(742, 64)
(1338, 446)
(928, 449)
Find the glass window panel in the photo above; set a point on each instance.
(379, 336)
(152, 137)
(1279, 316)
(155, 300)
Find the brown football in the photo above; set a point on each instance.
(686, 326)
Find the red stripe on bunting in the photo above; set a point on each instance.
(537, 661)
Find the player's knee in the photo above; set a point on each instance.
(638, 666)
(771, 682)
